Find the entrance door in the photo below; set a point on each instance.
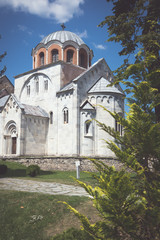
(14, 141)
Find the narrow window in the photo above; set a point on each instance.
(37, 84)
(118, 127)
(55, 55)
(88, 128)
(70, 56)
(82, 60)
(28, 90)
(41, 55)
(46, 84)
(65, 116)
(51, 118)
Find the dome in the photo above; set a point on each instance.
(62, 36)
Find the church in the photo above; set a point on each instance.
(51, 110)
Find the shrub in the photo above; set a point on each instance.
(33, 170)
(3, 169)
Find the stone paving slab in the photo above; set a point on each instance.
(41, 187)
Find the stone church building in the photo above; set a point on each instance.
(52, 106)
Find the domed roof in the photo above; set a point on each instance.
(62, 36)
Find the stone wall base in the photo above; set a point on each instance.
(63, 163)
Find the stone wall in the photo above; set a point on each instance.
(62, 163)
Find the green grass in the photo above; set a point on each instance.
(18, 170)
(33, 216)
(27, 216)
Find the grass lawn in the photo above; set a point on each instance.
(33, 216)
(18, 170)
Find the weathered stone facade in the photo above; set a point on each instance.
(64, 163)
(51, 110)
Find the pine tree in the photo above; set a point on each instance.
(136, 24)
(129, 200)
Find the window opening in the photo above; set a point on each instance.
(37, 84)
(65, 115)
(28, 90)
(51, 117)
(41, 58)
(118, 127)
(70, 56)
(88, 128)
(46, 84)
(55, 55)
(82, 60)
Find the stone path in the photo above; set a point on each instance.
(41, 187)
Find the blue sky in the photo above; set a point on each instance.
(23, 24)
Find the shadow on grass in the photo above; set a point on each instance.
(21, 173)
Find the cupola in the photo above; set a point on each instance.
(62, 45)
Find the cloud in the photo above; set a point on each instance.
(100, 46)
(59, 10)
(41, 36)
(82, 34)
(24, 29)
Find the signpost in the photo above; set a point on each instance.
(78, 164)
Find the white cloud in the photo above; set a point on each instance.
(82, 34)
(100, 46)
(60, 10)
(23, 28)
(41, 36)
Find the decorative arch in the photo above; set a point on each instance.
(10, 137)
(34, 76)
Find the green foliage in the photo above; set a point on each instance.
(33, 170)
(135, 24)
(3, 169)
(129, 200)
(73, 234)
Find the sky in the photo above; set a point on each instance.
(24, 23)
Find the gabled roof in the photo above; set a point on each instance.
(70, 85)
(67, 87)
(34, 111)
(27, 109)
(86, 105)
(3, 101)
(90, 69)
(102, 86)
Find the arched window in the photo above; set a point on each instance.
(82, 60)
(65, 115)
(70, 56)
(28, 90)
(37, 84)
(51, 118)
(54, 55)
(118, 126)
(46, 84)
(88, 128)
(41, 55)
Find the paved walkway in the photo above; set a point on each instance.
(41, 187)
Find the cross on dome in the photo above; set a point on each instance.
(63, 26)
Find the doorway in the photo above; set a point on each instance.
(14, 143)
